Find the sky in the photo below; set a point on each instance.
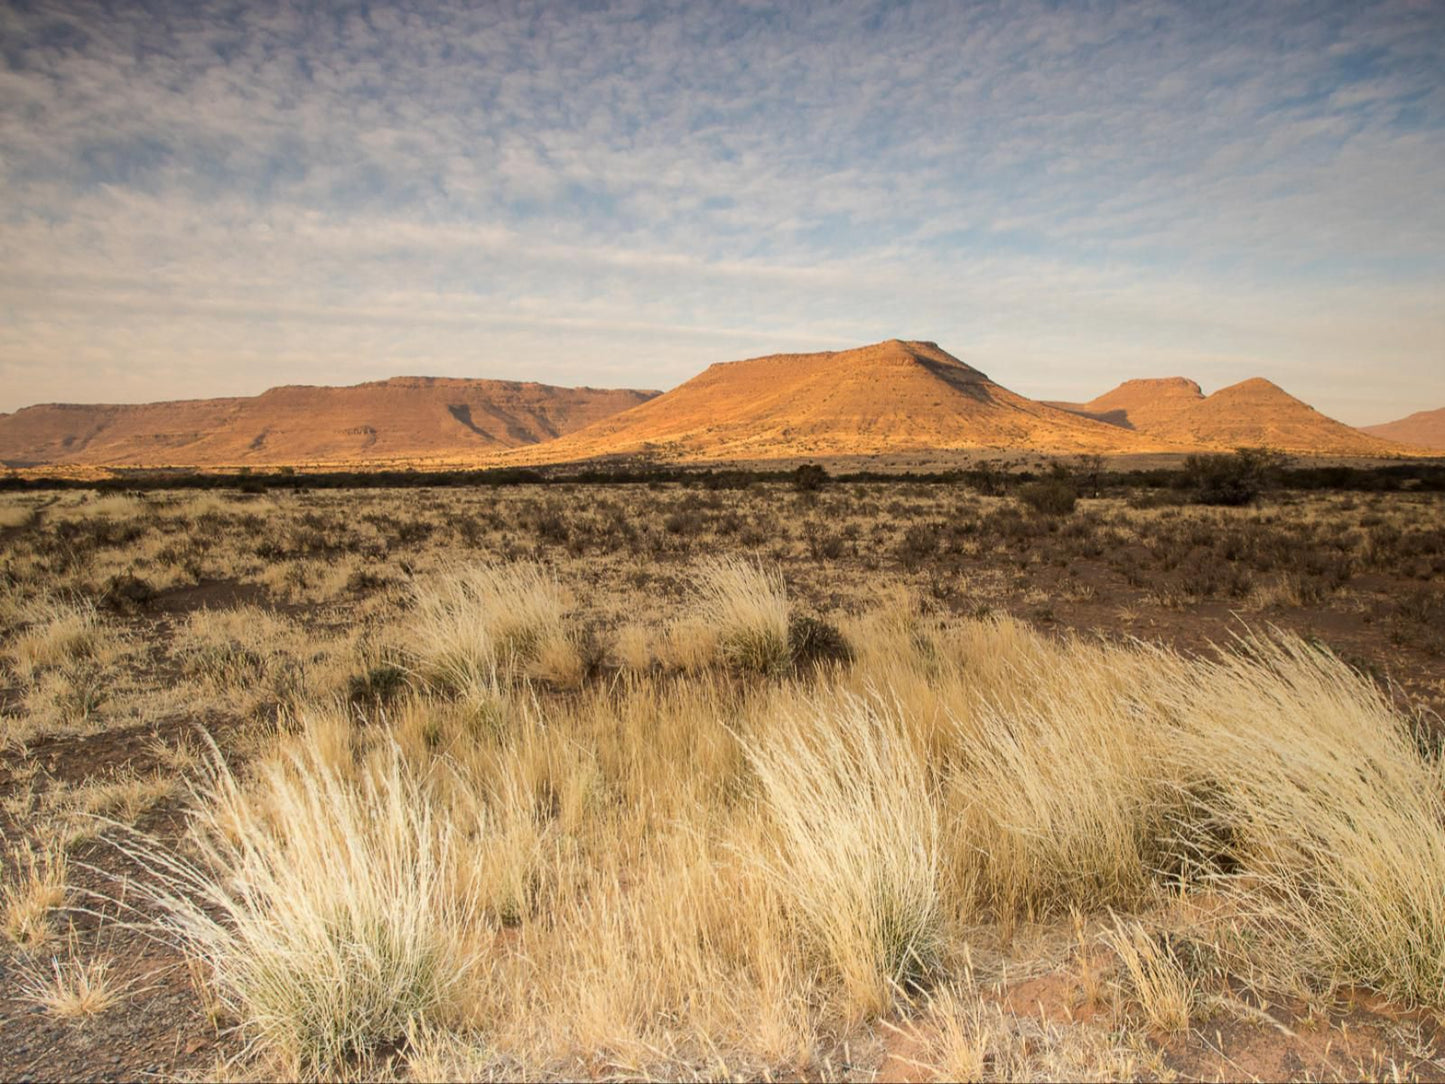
(214, 198)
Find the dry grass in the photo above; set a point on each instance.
(747, 606)
(58, 632)
(1325, 800)
(34, 889)
(1156, 981)
(858, 849)
(16, 515)
(335, 929)
(480, 620)
(467, 837)
(73, 988)
(697, 868)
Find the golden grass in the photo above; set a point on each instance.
(858, 850)
(16, 515)
(747, 607)
(58, 632)
(1330, 808)
(73, 988)
(336, 930)
(480, 620)
(33, 890)
(1157, 982)
(698, 870)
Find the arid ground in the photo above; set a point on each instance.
(868, 781)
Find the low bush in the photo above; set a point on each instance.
(1231, 480)
(1050, 497)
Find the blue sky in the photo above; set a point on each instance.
(205, 199)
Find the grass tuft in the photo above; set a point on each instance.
(857, 846)
(482, 619)
(327, 925)
(73, 989)
(748, 607)
(35, 888)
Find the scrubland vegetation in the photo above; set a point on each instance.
(876, 781)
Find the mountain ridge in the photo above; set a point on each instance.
(1254, 411)
(395, 418)
(891, 397)
(894, 396)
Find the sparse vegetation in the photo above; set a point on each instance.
(520, 783)
(73, 988)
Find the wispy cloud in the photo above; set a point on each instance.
(204, 199)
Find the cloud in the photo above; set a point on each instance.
(205, 198)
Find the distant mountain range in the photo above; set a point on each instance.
(891, 397)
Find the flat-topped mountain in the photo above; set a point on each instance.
(401, 418)
(1253, 412)
(1425, 428)
(1140, 404)
(892, 396)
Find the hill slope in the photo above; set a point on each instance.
(1425, 428)
(1252, 412)
(889, 397)
(402, 418)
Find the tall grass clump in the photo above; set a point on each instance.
(481, 620)
(1059, 786)
(1158, 981)
(323, 906)
(1334, 819)
(857, 852)
(747, 606)
(36, 888)
(57, 632)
